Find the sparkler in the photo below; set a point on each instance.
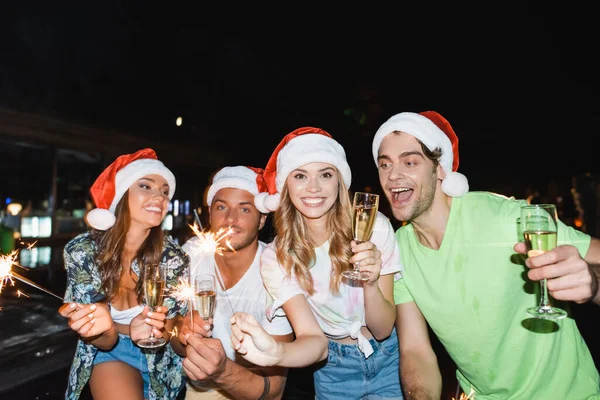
(209, 243)
(184, 291)
(197, 218)
(470, 396)
(7, 262)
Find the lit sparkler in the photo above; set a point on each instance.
(470, 396)
(184, 291)
(210, 242)
(174, 332)
(7, 275)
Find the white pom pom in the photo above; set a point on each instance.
(259, 202)
(272, 201)
(455, 184)
(100, 219)
(266, 202)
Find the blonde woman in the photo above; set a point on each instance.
(308, 179)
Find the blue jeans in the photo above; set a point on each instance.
(127, 352)
(349, 375)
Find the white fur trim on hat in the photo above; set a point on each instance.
(100, 219)
(266, 203)
(238, 177)
(311, 148)
(455, 184)
(138, 169)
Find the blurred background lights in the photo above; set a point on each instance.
(14, 208)
(179, 121)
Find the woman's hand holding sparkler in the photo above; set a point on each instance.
(138, 328)
(88, 320)
(201, 327)
(251, 340)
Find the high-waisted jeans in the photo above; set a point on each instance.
(347, 374)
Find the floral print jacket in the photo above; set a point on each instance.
(83, 286)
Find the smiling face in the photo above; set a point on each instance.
(408, 178)
(313, 189)
(148, 201)
(235, 209)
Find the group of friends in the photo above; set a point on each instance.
(456, 266)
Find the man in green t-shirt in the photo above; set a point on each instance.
(465, 276)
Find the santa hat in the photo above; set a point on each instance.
(116, 179)
(300, 147)
(239, 177)
(434, 131)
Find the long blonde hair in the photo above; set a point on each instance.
(111, 244)
(294, 249)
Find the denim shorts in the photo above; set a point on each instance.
(347, 374)
(126, 351)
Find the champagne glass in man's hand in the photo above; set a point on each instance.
(364, 213)
(539, 226)
(206, 295)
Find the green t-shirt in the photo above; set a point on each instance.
(473, 292)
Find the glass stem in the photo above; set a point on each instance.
(544, 300)
(357, 265)
(192, 314)
(151, 336)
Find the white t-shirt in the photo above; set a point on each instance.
(248, 295)
(338, 315)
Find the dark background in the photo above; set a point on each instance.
(517, 80)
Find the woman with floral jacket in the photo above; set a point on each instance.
(103, 299)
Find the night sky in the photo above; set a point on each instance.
(509, 78)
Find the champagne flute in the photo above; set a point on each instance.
(206, 294)
(539, 226)
(364, 213)
(154, 290)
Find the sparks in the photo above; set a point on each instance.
(7, 275)
(6, 263)
(470, 396)
(184, 291)
(173, 332)
(210, 242)
(29, 245)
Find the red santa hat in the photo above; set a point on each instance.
(303, 146)
(116, 179)
(434, 131)
(239, 177)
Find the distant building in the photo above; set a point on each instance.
(48, 165)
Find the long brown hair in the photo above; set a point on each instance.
(111, 244)
(294, 249)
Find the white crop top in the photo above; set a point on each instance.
(124, 317)
(339, 315)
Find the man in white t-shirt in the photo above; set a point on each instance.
(214, 369)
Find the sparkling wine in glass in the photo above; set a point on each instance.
(206, 295)
(539, 226)
(154, 288)
(364, 213)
